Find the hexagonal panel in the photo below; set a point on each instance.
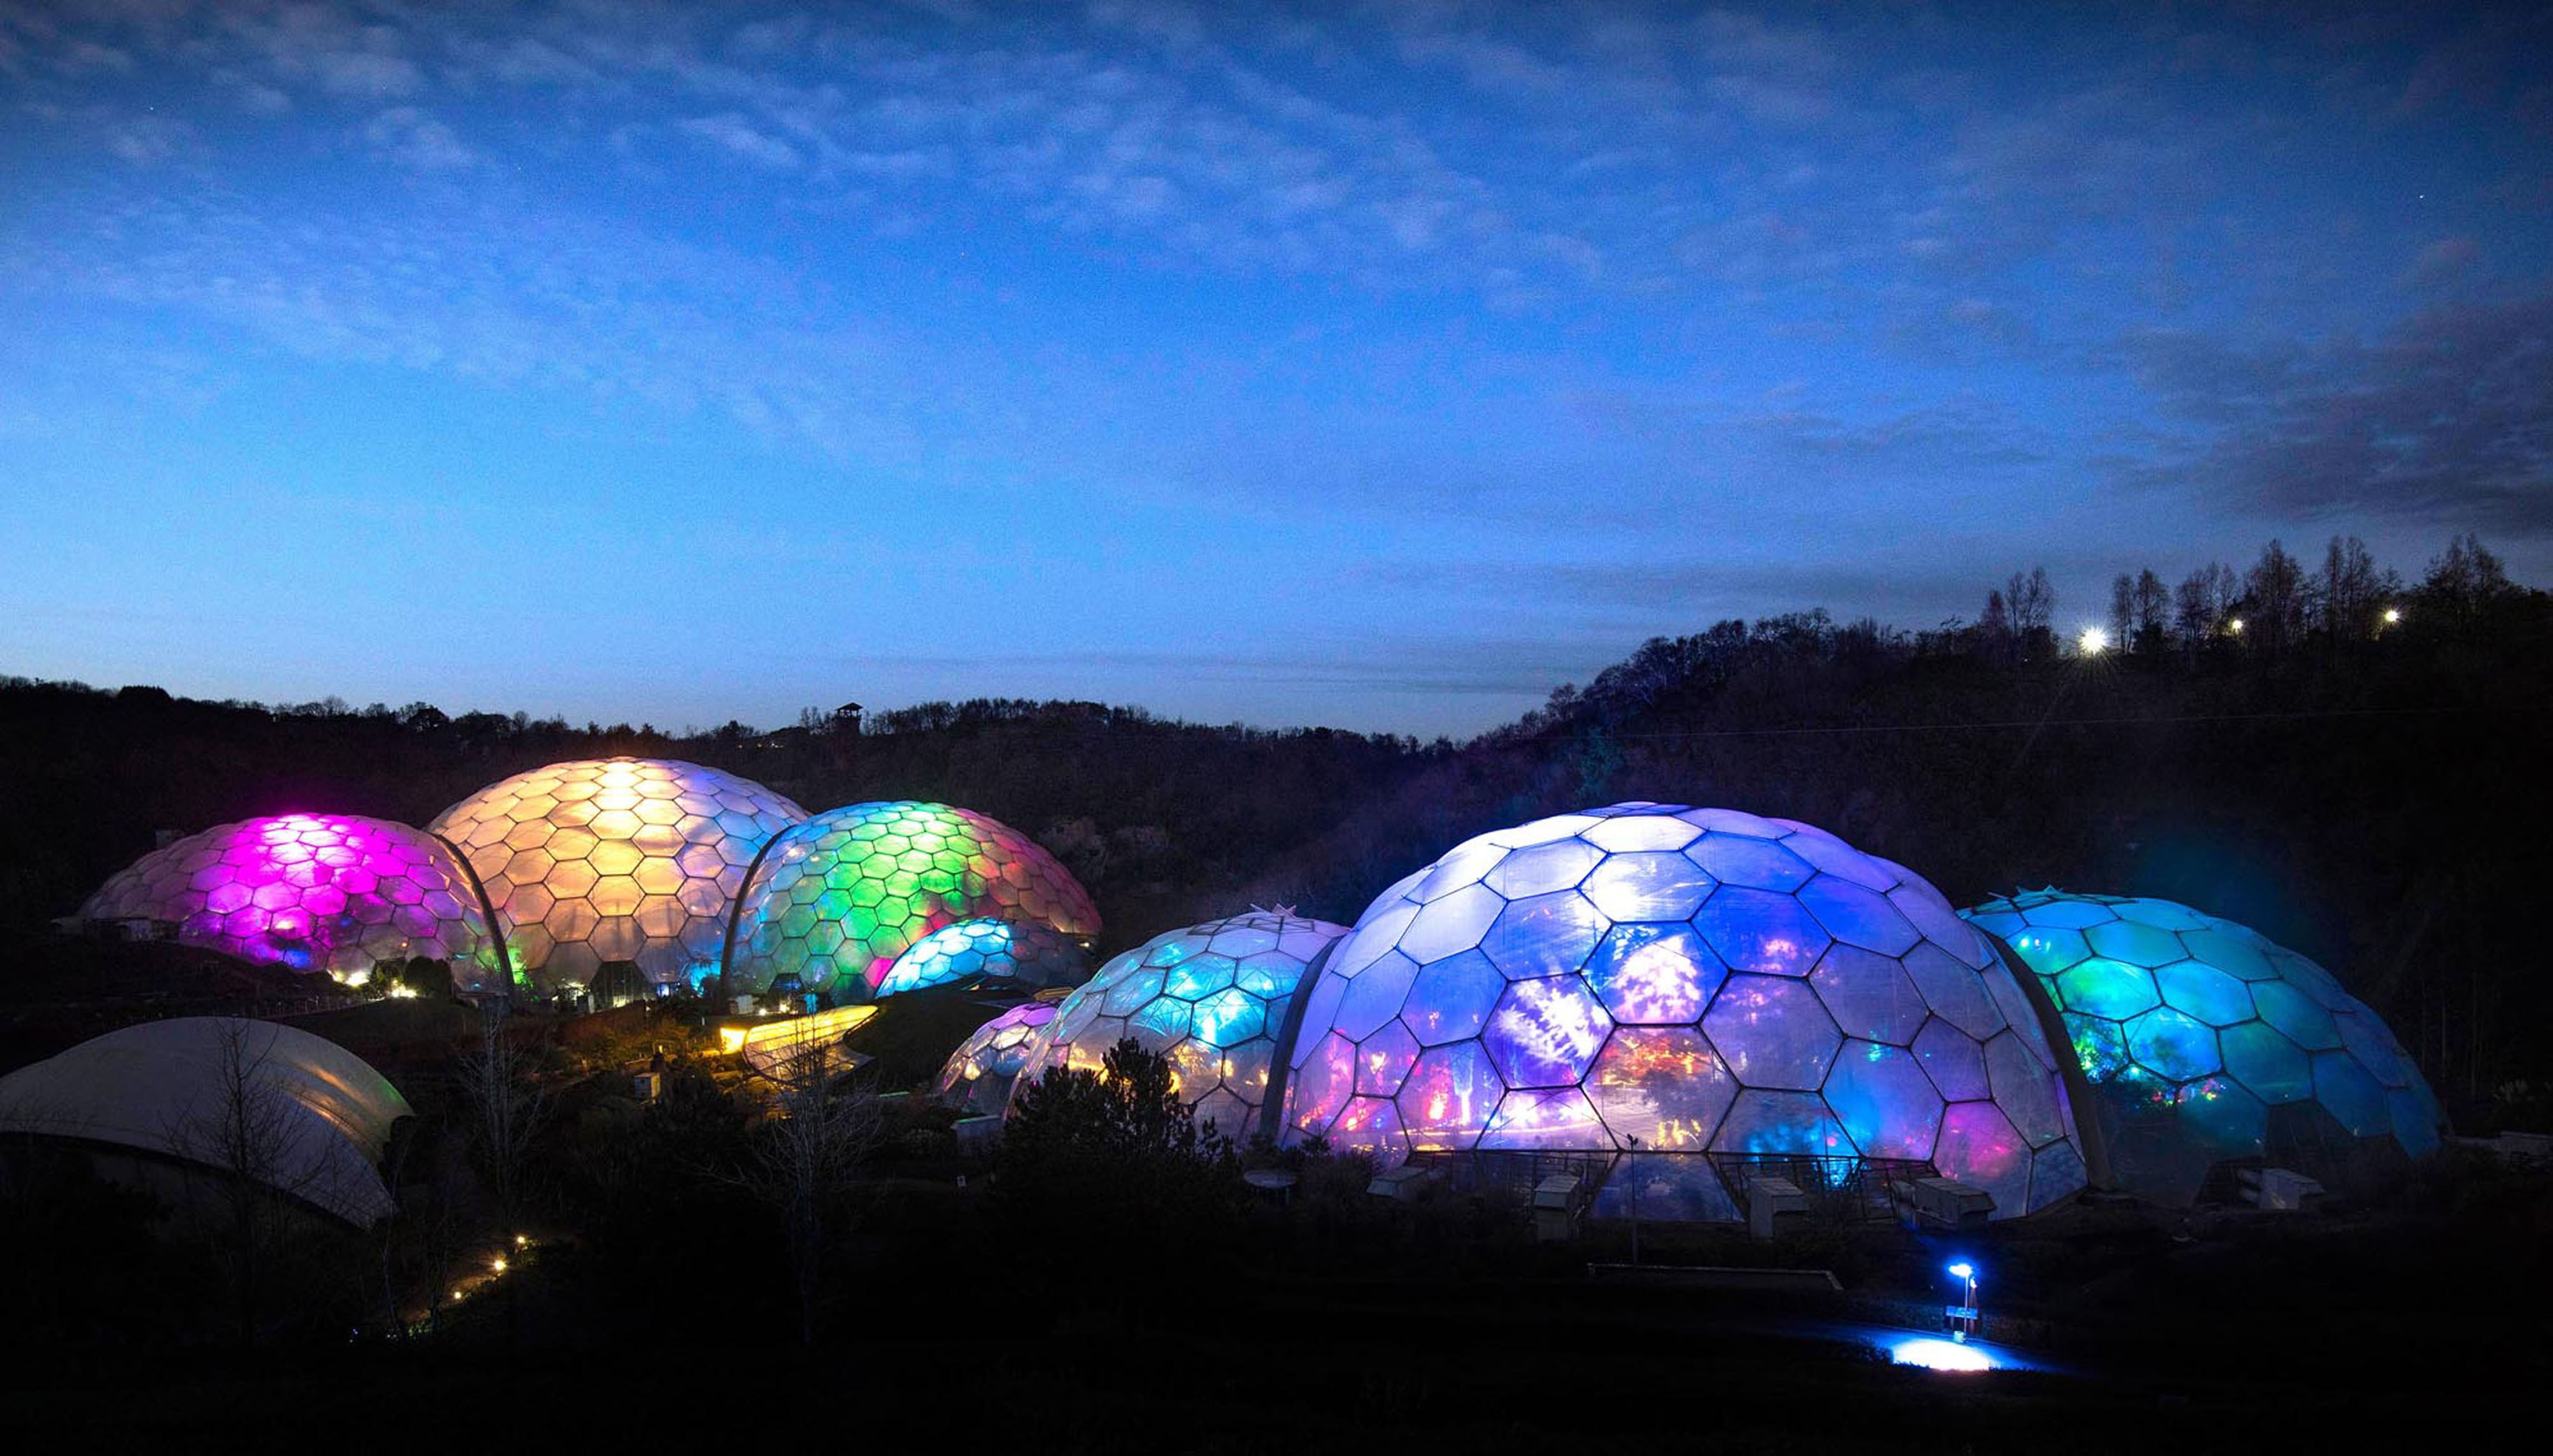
(1648, 885)
(1656, 975)
(1545, 1032)
(1774, 1031)
(1885, 1101)
(1870, 995)
(1663, 1085)
(1545, 935)
(1452, 999)
(1761, 931)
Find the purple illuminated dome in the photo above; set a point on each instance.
(977, 1076)
(326, 893)
(609, 861)
(1685, 995)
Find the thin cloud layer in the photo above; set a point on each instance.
(1209, 328)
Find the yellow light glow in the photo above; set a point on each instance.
(2393, 615)
(2235, 626)
(500, 1265)
(767, 1044)
(2092, 642)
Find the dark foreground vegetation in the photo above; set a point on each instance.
(1107, 1281)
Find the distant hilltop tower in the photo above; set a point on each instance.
(847, 719)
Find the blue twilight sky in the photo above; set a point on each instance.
(1371, 365)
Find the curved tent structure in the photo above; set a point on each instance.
(293, 1111)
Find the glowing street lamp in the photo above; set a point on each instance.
(2235, 626)
(2092, 642)
(1963, 1318)
(2392, 616)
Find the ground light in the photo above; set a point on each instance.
(1963, 1318)
(1937, 1354)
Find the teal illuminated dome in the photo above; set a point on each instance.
(2205, 1042)
(1213, 999)
(1682, 994)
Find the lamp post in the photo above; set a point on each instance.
(1634, 1171)
(1965, 1317)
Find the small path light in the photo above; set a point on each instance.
(1963, 1318)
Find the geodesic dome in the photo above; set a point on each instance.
(978, 1079)
(1722, 988)
(839, 897)
(610, 860)
(1021, 951)
(1213, 999)
(332, 893)
(2204, 1041)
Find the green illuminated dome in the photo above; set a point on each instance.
(837, 899)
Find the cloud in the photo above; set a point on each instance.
(144, 140)
(413, 138)
(732, 134)
(2447, 421)
(2446, 261)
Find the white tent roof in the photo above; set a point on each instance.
(311, 1118)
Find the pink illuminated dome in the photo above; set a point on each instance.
(331, 894)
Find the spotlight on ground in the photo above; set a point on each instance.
(1935, 1354)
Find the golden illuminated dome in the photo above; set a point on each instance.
(603, 861)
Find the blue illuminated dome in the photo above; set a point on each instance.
(1719, 988)
(1213, 999)
(2205, 1042)
(1023, 953)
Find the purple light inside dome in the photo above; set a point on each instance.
(318, 892)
